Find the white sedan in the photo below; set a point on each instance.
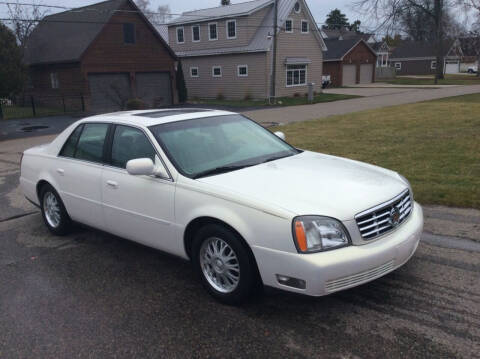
(243, 205)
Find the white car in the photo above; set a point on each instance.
(243, 205)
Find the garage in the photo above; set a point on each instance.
(366, 73)
(109, 92)
(154, 88)
(452, 67)
(349, 75)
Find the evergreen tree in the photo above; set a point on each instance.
(11, 68)
(181, 87)
(336, 20)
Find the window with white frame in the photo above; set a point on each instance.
(180, 35)
(212, 31)
(304, 26)
(398, 65)
(297, 7)
(296, 75)
(195, 33)
(216, 71)
(54, 80)
(242, 70)
(194, 71)
(433, 65)
(289, 25)
(231, 29)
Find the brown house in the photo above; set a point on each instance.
(349, 62)
(107, 52)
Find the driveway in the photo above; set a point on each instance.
(91, 294)
(374, 99)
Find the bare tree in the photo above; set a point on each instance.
(159, 17)
(389, 14)
(472, 7)
(24, 19)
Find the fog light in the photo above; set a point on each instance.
(291, 282)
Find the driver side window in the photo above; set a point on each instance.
(130, 143)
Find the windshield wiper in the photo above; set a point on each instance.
(218, 170)
(270, 159)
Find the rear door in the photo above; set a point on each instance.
(366, 73)
(154, 88)
(109, 92)
(79, 173)
(140, 208)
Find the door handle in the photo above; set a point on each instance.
(112, 184)
(60, 171)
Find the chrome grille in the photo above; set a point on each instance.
(384, 217)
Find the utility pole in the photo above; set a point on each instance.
(274, 52)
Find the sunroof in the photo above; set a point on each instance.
(165, 113)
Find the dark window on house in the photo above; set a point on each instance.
(180, 37)
(304, 26)
(212, 31)
(193, 71)
(231, 29)
(297, 7)
(296, 75)
(129, 33)
(242, 70)
(216, 71)
(196, 33)
(288, 26)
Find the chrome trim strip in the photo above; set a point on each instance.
(380, 206)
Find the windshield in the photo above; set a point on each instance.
(213, 145)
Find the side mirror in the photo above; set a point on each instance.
(280, 134)
(141, 166)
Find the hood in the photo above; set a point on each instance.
(313, 184)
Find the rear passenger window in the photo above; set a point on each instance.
(130, 143)
(68, 149)
(90, 143)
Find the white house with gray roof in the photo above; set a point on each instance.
(227, 51)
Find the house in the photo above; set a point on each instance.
(419, 58)
(226, 51)
(107, 52)
(345, 34)
(471, 52)
(382, 50)
(349, 62)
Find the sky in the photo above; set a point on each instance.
(319, 8)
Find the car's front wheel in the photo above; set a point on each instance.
(224, 263)
(54, 213)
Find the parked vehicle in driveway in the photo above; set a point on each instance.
(472, 69)
(242, 204)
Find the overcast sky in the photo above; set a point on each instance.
(319, 8)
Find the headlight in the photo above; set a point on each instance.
(317, 233)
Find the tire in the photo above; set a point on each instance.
(57, 220)
(224, 290)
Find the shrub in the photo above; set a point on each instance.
(220, 96)
(296, 94)
(248, 96)
(135, 104)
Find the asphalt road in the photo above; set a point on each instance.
(91, 294)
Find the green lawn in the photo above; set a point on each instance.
(281, 101)
(429, 80)
(12, 112)
(435, 144)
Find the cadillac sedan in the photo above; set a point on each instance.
(216, 188)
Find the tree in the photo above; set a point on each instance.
(181, 87)
(161, 16)
(355, 26)
(11, 68)
(25, 18)
(389, 13)
(336, 20)
(224, 2)
(393, 41)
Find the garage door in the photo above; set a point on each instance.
(452, 68)
(366, 73)
(349, 76)
(108, 92)
(154, 88)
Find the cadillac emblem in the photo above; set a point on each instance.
(394, 216)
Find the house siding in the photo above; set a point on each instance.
(229, 85)
(245, 29)
(297, 44)
(414, 67)
(108, 53)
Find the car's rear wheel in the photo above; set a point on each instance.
(224, 263)
(54, 213)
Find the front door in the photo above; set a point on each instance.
(140, 208)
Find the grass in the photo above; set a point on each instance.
(429, 80)
(434, 144)
(281, 101)
(17, 112)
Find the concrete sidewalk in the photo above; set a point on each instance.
(283, 115)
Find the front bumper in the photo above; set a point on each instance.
(331, 271)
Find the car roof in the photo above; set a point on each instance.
(156, 117)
